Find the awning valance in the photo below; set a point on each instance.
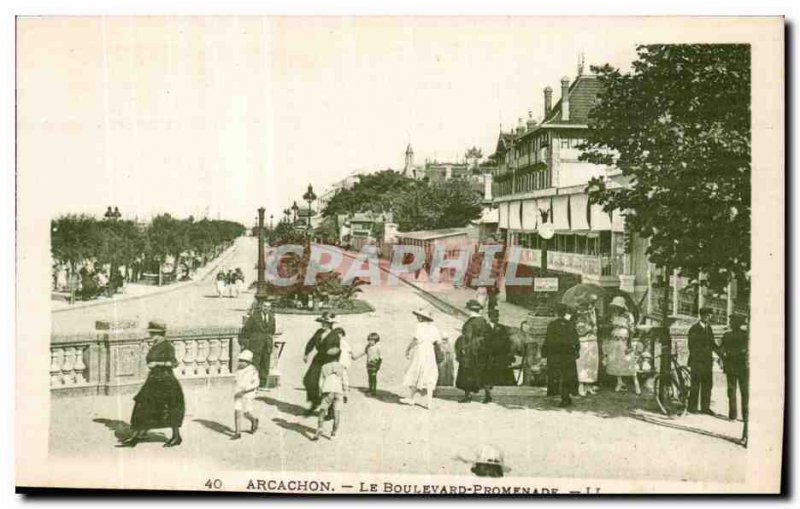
(514, 222)
(560, 218)
(578, 208)
(503, 208)
(601, 221)
(530, 215)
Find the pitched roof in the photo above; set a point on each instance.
(582, 97)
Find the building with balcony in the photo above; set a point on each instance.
(539, 179)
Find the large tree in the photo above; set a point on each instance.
(372, 193)
(677, 125)
(445, 204)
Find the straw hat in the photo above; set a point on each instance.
(246, 355)
(488, 462)
(157, 326)
(326, 317)
(474, 305)
(619, 301)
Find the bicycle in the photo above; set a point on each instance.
(673, 382)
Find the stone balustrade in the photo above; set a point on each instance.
(113, 359)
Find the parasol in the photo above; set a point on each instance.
(582, 294)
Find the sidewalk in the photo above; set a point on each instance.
(454, 298)
(137, 291)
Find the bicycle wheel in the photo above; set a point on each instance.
(684, 386)
(668, 396)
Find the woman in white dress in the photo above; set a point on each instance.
(422, 372)
(589, 360)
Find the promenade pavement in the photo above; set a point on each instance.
(611, 435)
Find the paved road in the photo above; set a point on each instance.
(606, 436)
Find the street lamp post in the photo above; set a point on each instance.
(309, 197)
(261, 285)
(295, 208)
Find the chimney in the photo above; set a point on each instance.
(531, 121)
(520, 126)
(564, 98)
(548, 101)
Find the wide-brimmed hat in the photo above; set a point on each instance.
(326, 317)
(619, 301)
(246, 355)
(157, 326)
(474, 305)
(424, 313)
(488, 462)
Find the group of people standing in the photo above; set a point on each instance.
(230, 282)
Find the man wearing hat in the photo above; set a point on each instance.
(469, 349)
(737, 372)
(701, 348)
(561, 348)
(246, 384)
(257, 336)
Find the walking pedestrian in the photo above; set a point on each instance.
(422, 372)
(346, 356)
(220, 283)
(561, 348)
(469, 348)
(246, 385)
(619, 353)
(589, 360)
(701, 360)
(498, 357)
(159, 403)
(257, 336)
(239, 280)
(735, 365)
(323, 340)
(374, 361)
(332, 389)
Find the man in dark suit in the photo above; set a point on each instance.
(257, 336)
(701, 347)
(561, 348)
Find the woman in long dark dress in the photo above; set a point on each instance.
(159, 403)
(324, 339)
(469, 350)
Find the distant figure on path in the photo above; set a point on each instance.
(469, 349)
(159, 403)
(561, 348)
(220, 283)
(422, 372)
(257, 336)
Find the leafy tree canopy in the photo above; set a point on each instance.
(678, 127)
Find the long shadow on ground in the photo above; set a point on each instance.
(122, 430)
(304, 430)
(215, 426)
(283, 406)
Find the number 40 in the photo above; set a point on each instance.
(213, 484)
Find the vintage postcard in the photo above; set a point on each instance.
(400, 255)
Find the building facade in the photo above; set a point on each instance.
(539, 180)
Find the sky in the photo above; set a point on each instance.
(220, 115)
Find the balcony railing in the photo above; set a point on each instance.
(539, 179)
